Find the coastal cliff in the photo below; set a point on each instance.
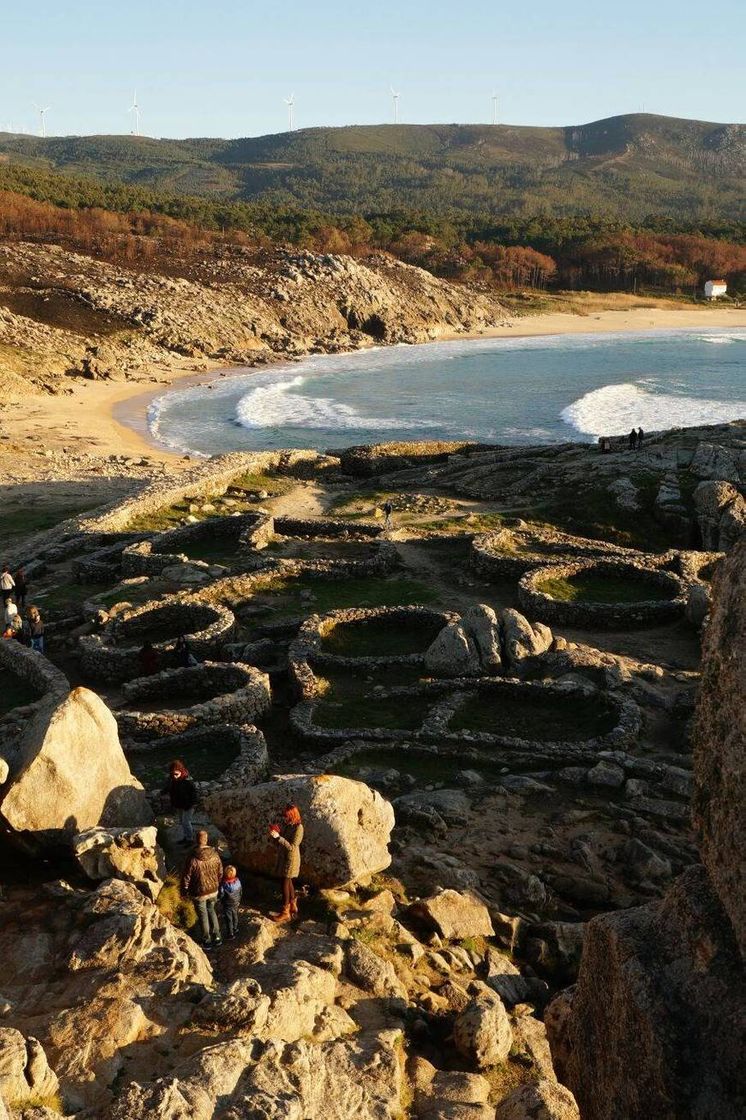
(64, 315)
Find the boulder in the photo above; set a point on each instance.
(482, 626)
(721, 513)
(698, 604)
(522, 639)
(545, 1100)
(370, 972)
(482, 1032)
(131, 854)
(656, 1026)
(719, 802)
(70, 774)
(347, 826)
(25, 1075)
(453, 653)
(452, 805)
(453, 914)
(711, 460)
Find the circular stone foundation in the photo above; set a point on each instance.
(193, 696)
(369, 635)
(218, 756)
(113, 655)
(602, 594)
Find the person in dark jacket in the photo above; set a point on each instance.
(288, 840)
(21, 588)
(640, 438)
(230, 896)
(34, 629)
(200, 880)
(632, 440)
(149, 661)
(182, 793)
(183, 655)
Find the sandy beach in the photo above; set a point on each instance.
(110, 418)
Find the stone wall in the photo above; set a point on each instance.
(601, 616)
(237, 694)
(314, 527)
(106, 657)
(250, 762)
(33, 668)
(253, 530)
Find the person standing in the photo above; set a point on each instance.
(149, 662)
(182, 793)
(7, 585)
(640, 438)
(200, 880)
(289, 840)
(632, 440)
(21, 588)
(230, 896)
(34, 629)
(388, 512)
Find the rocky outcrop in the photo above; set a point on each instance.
(655, 1025)
(25, 1076)
(467, 648)
(347, 826)
(279, 301)
(69, 774)
(521, 638)
(131, 854)
(721, 512)
(546, 1100)
(482, 1032)
(719, 803)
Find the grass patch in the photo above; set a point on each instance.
(591, 587)
(254, 481)
(65, 595)
(333, 594)
(428, 769)
(175, 906)
(467, 523)
(53, 1101)
(15, 693)
(381, 637)
(542, 717)
(20, 520)
(338, 709)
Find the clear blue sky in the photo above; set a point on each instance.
(222, 68)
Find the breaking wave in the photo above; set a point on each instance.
(614, 409)
(280, 405)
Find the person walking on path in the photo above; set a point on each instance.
(230, 896)
(182, 793)
(388, 515)
(21, 588)
(201, 881)
(7, 585)
(288, 840)
(34, 629)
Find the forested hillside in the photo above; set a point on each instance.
(623, 168)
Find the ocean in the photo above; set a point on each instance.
(503, 390)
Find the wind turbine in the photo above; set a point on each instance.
(41, 112)
(135, 108)
(290, 102)
(395, 97)
(494, 108)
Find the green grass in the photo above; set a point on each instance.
(253, 481)
(381, 637)
(589, 587)
(15, 692)
(405, 713)
(65, 595)
(467, 523)
(179, 909)
(343, 591)
(20, 520)
(167, 517)
(541, 717)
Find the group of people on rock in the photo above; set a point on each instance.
(208, 882)
(634, 439)
(28, 629)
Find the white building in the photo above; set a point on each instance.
(715, 288)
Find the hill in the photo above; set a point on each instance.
(622, 168)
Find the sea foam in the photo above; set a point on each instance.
(614, 409)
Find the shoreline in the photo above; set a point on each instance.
(111, 418)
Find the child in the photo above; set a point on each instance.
(230, 894)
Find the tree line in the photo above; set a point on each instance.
(130, 224)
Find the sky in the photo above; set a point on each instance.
(222, 68)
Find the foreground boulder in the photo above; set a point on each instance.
(546, 1100)
(468, 648)
(131, 854)
(482, 1032)
(655, 1026)
(25, 1076)
(347, 826)
(69, 773)
(453, 915)
(521, 638)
